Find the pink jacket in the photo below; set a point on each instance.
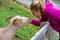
(53, 14)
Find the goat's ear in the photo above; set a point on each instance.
(9, 18)
(16, 22)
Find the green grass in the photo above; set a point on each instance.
(12, 10)
(27, 32)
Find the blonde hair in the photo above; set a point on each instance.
(37, 5)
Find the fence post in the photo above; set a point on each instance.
(49, 34)
(55, 35)
(41, 32)
(45, 33)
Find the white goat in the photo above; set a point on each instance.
(8, 32)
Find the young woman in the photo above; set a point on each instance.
(45, 11)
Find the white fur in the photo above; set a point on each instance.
(24, 19)
(14, 18)
(8, 32)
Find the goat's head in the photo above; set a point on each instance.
(19, 21)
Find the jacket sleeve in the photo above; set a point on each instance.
(38, 21)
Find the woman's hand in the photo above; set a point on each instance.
(30, 19)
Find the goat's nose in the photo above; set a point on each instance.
(29, 21)
(24, 19)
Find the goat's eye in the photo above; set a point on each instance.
(15, 20)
